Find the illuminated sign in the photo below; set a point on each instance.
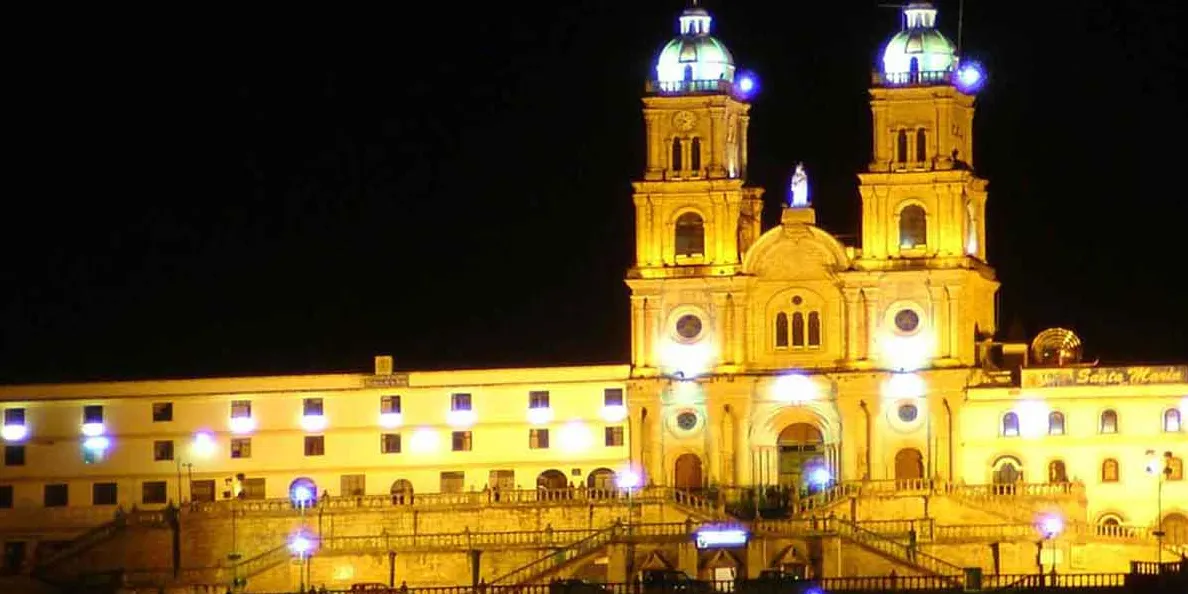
(708, 539)
(397, 380)
(1105, 376)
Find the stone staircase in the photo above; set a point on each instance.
(540, 570)
(899, 552)
(52, 569)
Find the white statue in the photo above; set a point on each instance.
(798, 195)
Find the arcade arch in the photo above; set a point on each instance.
(802, 450)
(687, 473)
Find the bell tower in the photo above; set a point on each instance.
(694, 215)
(920, 196)
(923, 207)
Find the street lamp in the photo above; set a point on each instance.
(628, 480)
(302, 546)
(1050, 527)
(1161, 470)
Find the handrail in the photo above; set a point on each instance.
(898, 550)
(562, 555)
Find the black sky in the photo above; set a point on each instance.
(232, 193)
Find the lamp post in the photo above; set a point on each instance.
(628, 480)
(1161, 469)
(1051, 527)
(301, 545)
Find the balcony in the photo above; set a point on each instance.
(912, 79)
(690, 87)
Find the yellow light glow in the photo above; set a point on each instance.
(614, 413)
(576, 437)
(424, 441)
(795, 388)
(92, 429)
(687, 360)
(460, 418)
(241, 425)
(904, 385)
(313, 423)
(343, 573)
(906, 353)
(686, 392)
(391, 420)
(540, 416)
(203, 446)
(1033, 418)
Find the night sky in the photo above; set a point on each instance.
(210, 193)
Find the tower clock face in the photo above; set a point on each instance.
(684, 120)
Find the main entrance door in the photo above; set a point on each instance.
(802, 449)
(687, 472)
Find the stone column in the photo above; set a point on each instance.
(852, 315)
(940, 321)
(717, 145)
(687, 558)
(637, 329)
(648, 354)
(618, 563)
(656, 472)
(954, 329)
(871, 301)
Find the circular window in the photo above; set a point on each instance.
(908, 412)
(797, 300)
(688, 326)
(907, 321)
(686, 421)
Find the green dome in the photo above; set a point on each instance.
(695, 55)
(919, 47)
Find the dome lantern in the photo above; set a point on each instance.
(919, 54)
(694, 61)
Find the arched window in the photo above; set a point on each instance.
(913, 227)
(1010, 425)
(1171, 420)
(1109, 422)
(798, 329)
(1109, 471)
(901, 147)
(1057, 472)
(1055, 423)
(690, 235)
(914, 69)
(814, 329)
(695, 154)
(921, 146)
(781, 330)
(676, 155)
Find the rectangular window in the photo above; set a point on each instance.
(390, 405)
(6, 496)
(538, 399)
(390, 443)
(353, 485)
(461, 441)
(253, 488)
(453, 482)
(153, 492)
(14, 416)
(312, 407)
(614, 436)
(202, 490)
(57, 495)
(104, 494)
(241, 447)
(93, 414)
(538, 439)
(241, 409)
(14, 455)
(163, 450)
(612, 397)
(315, 445)
(162, 412)
(503, 480)
(460, 402)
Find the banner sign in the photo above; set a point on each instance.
(1105, 376)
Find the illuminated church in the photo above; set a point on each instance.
(778, 357)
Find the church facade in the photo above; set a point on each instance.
(778, 357)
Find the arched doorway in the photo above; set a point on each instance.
(801, 450)
(909, 464)
(1007, 472)
(402, 492)
(601, 480)
(1175, 529)
(551, 480)
(1057, 473)
(687, 472)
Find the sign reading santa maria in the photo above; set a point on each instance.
(1105, 376)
